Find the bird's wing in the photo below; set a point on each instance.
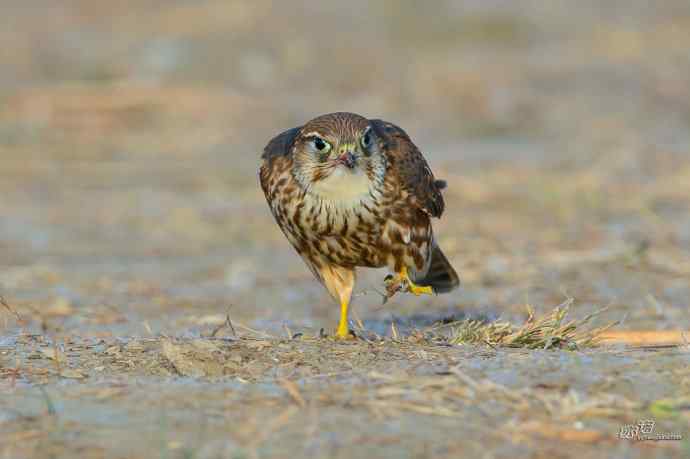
(405, 160)
(280, 145)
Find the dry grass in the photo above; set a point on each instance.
(129, 142)
(550, 331)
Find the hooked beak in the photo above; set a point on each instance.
(347, 159)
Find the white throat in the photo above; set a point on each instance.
(343, 186)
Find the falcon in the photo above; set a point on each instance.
(347, 192)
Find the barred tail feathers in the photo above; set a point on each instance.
(440, 276)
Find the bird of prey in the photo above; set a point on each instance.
(348, 191)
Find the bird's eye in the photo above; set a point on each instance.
(321, 144)
(366, 140)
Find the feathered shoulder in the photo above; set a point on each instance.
(407, 162)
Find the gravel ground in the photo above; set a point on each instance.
(132, 226)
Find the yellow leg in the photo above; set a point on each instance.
(412, 287)
(343, 327)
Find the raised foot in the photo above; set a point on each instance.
(401, 282)
(419, 290)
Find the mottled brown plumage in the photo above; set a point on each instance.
(348, 191)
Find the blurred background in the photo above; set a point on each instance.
(130, 137)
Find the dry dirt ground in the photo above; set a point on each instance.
(132, 228)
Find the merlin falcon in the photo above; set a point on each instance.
(348, 191)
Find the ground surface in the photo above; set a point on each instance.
(131, 225)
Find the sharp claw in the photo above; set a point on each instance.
(400, 282)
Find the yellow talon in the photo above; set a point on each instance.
(418, 290)
(412, 287)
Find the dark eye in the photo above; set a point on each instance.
(321, 144)
(366, 140)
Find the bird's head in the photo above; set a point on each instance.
(337, 154)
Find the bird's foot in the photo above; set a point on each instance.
(339, 335)
(350, 335)
(395, 283)
(419, 289)
(343, 331)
